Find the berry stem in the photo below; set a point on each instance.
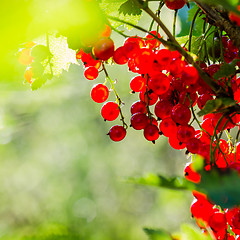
(191, 29)
(174, 22)
(119, 101)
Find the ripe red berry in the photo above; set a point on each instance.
(117, 133)
(104, 49)
(218, 221)
(181, 114)
(185, 133)
(163, 109)
(99, 93)
(193, 145)
(110, 111)
(148, 97)
(152, 42)
(91, 73)
(191, 175)
(139, 121)
(120, 56)
(175, 4)
(137, 83)
(138, 106)
(151, 132)
(168, 127)
(164, 57)
(159, 84)
(189, 75)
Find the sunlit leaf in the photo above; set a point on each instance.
(177, 183)
(157, 234)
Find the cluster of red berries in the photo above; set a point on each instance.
(224, 223)
(169, 89)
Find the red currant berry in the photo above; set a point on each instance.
(189, 75)
(120, 56)
(148, 97)
(218, 221)
(137, 83)
(138, 106)
(175, 143)
(159, 84)
(194, 145)
(164, 57)
(91, 73)
(168, 127)
(181, 114)
(191, 175)
(117, 133)
(163, 109)
(185, 133)
(99, 93)
(175, 4)
(152, 42)
(139, 121)
(202, 99)
(151, 132)
(110, 111)
(104, 49)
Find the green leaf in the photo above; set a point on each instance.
(210, 106)
(190, 233)
(158, 234)
(176, 183)
(198, 24)
(226, 70)
(218, 104)
(28, 20)
(112, 8)
(40, 52)
(223, 188)
(38, 82)
(129, 8)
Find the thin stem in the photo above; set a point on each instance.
(174, 22)
(119, 101)
(119, 32)
(191, 29)
(212, 139)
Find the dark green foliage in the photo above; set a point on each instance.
(130, 8)
(221, 187)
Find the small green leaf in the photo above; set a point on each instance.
(176, 183)
(38, 82)
(40, 52)
(157, 234)
(129, 8)
(190, 233)
(210, 106)
(226, 70)
(223, 188)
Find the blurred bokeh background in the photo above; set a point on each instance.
(60, 173)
